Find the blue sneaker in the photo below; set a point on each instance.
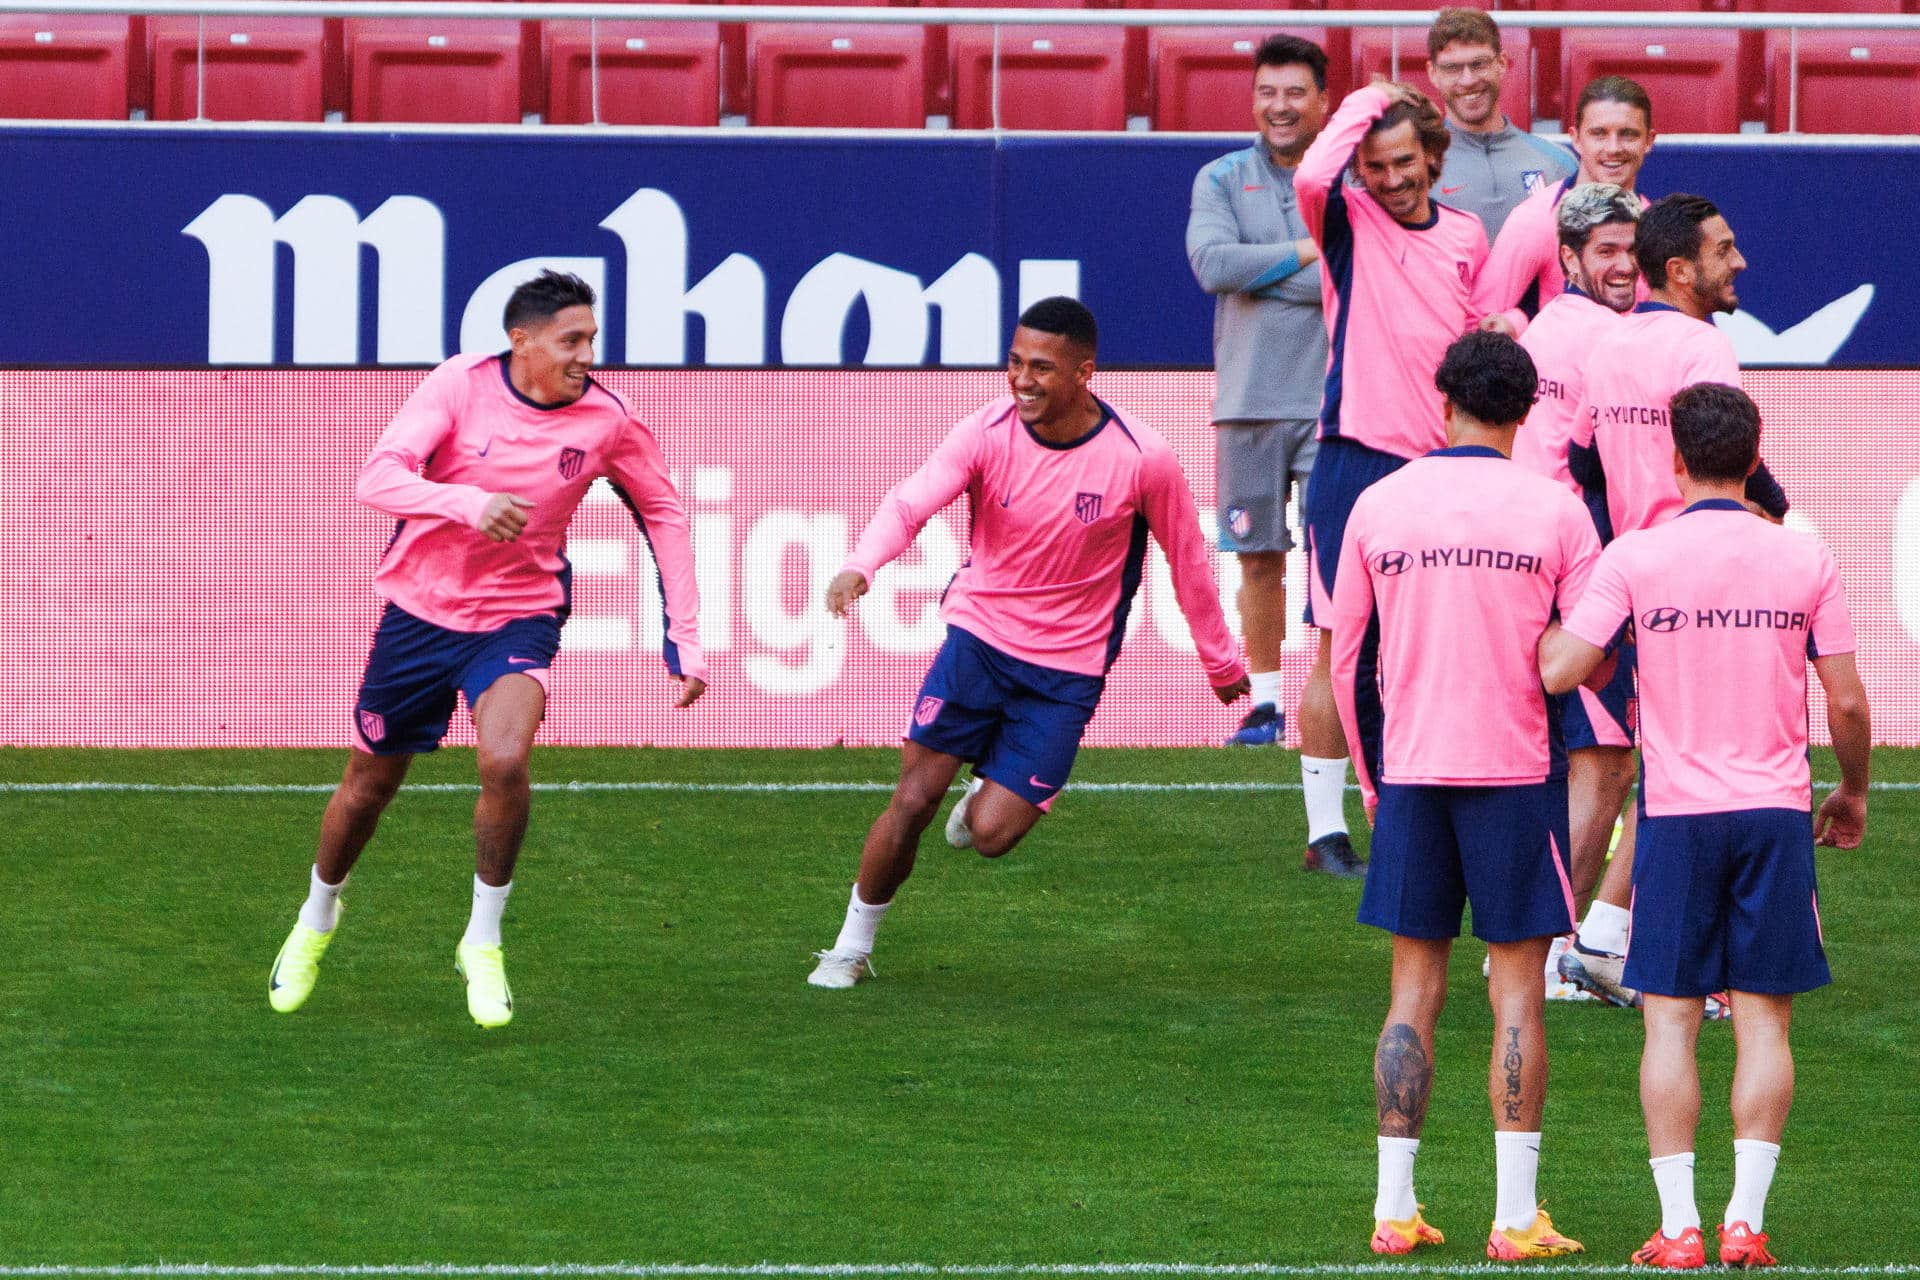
(1262, 727)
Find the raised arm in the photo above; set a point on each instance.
(1325, 163)
(1168, 505)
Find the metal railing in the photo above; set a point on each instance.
(730, 14)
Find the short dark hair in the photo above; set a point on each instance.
(1670, 228)
(1716, 428)
(1489, 377)
(1461, 26)
(1289, 51)
(1067, 317)
(543, 297)
(1429, 128)
(1614, 89)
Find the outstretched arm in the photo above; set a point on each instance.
(905, 511)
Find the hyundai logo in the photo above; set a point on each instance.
(1663, 619)
(1390, 563)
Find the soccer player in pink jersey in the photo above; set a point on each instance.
(1062, 490)
(483, 466)
(1596, 225)
(1462, 544)
(1728, 609)
(1396, 279)
(1612, 134)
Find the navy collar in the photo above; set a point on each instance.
(1468, 451)
(1715, 504)
(1106, 416)
(506, 380)
(1650, 306)
(1432, 221)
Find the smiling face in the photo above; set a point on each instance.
(1289, 109)
(1469, 77)
(551, 358)
(1048, 374)
(1396, 171)
(1612, 140)
(1714, 267)
(1605, 269)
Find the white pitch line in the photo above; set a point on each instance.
(744, 788)
(676, 1271)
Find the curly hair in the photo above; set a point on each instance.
(1429, 127)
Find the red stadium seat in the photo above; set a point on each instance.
(1553, 99)
(256, 68)
(1050, 78)
(64, 66)
(1756, 63)
(649, 72)
(733, 51)
(1692, 76)
(431, 70)
(1202, 77)
(1373, 51)
(837, 75)
(1140, 72)
(1849, 81)
(940, 62)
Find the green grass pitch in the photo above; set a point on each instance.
(1145, 1036)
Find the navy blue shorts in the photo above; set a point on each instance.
(1726, 900)
(1341, 473)
(1020, 723)
(1503, 849)
(1605, 718)
(416, 671)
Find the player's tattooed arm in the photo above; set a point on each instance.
(1402, 1082)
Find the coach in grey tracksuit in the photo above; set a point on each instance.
(1249, 248)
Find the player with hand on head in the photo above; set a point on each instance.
(1493, 163)
(1727, 609)
(1596, 225)
(1062, 490)
(1462, 544)
(1396, 289)
(1248, 245)
(484, 466)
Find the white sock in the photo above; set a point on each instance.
(1325, 784)
(1673, 1178)
(1266, 688)
(1516, 1164)
(863, 921)
(321, 911)
(489, 904)
(1393, 1198)
(1753, 1162)
(1554, 952)
(1605, 928)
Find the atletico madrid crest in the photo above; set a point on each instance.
(1086, 506)
(570, 460)
(929, 708)
(373, 725)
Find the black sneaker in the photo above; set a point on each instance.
(1334, 855)
(1261, 727)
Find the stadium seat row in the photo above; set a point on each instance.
(869, 75)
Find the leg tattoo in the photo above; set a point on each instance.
(1402, 1082)
(1512, 1062)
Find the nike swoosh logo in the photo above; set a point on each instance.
(1035, 782)
(1005, 499)
(1447, 191)
(529, 661)
(482, 452)
(273, 979)
(1253, 188)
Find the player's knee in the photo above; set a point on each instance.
(994, 843)
(369, 791)
(915, 805)
(1263, 571)
(504, 771)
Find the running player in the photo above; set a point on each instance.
(1612, 134)
(1062, 489)
(483, 466)
(1398, 268)
(1728, 609)
(1466, 545)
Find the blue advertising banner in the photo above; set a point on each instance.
(187, 246)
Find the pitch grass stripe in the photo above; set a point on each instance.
(673, 1271)
(771, 788)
